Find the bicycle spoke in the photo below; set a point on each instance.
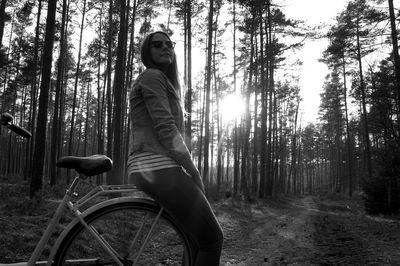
(125, 231)
(147, 238)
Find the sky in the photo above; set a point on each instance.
(312, 73)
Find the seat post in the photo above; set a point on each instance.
(73, 185)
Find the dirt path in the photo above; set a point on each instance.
(290, 231)
(306, 231)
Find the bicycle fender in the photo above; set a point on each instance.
(92, 209)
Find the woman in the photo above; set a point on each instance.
(159, 162)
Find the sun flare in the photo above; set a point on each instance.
(232, 107)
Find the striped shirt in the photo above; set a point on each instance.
(146, 161)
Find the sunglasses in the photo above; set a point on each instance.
(159, 44)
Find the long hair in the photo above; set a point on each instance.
(172, 71)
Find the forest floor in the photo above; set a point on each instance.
(308, 230)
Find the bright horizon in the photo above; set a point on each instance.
(312, 73)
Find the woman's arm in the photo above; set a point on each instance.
(155, 93)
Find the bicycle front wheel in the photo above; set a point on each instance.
(117, 233)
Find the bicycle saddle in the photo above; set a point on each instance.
(89, 165)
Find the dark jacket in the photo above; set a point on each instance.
(157, 122)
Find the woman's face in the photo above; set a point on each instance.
(161, 50)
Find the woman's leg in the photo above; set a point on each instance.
(174, 190)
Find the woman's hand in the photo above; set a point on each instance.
(192, 170)
(199, 182)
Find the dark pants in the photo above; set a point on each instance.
(175, 191)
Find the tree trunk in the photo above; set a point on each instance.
(32, 123)
(126, 72)
(220, 133)
(254, 172)
(85, 139)
(54, 136)
(78, 69)
(2, 17)
(247, 119)
(201, 137)
(188, 102)
(7, 67)
(109, 95)
(236, 142)
(208, 94)
(100, 98)
(270, 65)
(263, 108)
(236, 155)
(40, 139)
(364, 107)
(396, 56)
(292, 170)
(115, 175)
(349, 152)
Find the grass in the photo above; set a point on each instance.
(22, 220)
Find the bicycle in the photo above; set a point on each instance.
(120, 228)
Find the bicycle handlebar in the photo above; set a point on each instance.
(6, 120)
(20, 131)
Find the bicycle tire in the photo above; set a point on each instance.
(118, 223)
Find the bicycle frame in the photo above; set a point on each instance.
(80, 218)
(6, 120)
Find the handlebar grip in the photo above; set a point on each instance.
(20, 131)
(6, 118)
